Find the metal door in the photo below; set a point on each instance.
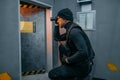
(33, 44)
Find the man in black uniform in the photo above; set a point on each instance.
(74, 56)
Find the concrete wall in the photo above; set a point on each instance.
(10, 59)
(106, 38)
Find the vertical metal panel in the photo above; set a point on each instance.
(50, 2)
(49, 40)
(9, 38)
(106, 38)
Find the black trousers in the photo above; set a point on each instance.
(65, 72)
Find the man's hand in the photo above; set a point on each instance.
(56, 25)
(65, 60)
(63, 49)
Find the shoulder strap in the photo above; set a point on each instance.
(73, 25)
(90, 49)
(68, 33)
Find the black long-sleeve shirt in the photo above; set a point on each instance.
(76, 43)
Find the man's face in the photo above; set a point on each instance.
(61, 22)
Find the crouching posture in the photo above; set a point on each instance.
(75, 55)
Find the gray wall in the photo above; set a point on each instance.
(10, 38)
(107, 36)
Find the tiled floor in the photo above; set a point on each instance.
(36, 77)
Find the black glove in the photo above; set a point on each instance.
(63, 60)
(63, 49)
(63, 53)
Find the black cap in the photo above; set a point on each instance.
(66, 14)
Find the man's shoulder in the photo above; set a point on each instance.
(75, 27)
(74, 24)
